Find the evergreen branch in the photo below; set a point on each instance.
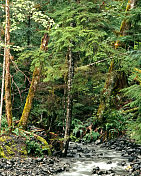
(89, 65)
(130, 110)
(138, 70)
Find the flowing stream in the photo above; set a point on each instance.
(86, 159)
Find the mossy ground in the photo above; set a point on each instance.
(12, 146)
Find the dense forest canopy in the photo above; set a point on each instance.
(74, 66)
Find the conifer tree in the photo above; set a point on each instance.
(106, 92)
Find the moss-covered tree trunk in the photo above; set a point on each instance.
(106, 92)
(8, 104)
(29, 99)
(69, 103)
(31, 93)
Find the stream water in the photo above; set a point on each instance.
(85, 160)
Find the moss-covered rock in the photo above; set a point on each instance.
(12, 146)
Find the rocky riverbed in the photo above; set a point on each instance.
(31, 166)
(118, 157)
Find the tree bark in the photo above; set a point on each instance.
(35, 81)
(106, 92)
(7, 62)
(69, 103)
(2, 89)
(29, 99)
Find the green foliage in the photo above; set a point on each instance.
(116, 123)
(16, 131)
(83, 27)
(133, 92)
(90, 28)
(134, 130)
(79, 130)
(92, 136)
(26, 23)
(4, 122)
(4, 126)
(78, 127)
(33, 147)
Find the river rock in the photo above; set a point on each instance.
(95, 170)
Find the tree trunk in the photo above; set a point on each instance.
(7, 62)
(64, 106)
(28, 32)
(69, 103)
(35, 80)
(29, 99)
(2, 89)
(106, 92)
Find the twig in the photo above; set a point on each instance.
(20, 70)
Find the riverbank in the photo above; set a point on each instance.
(118, 157)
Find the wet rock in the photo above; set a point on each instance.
(70, 155)
(112, 147)
(97, 142)
(77, 155)
(88, 155)
(111, 171)
(123, 163)
(86, 150)
(100, 172)
(109, 162)
(119, 148)
(79, 149)
(131, 158)
(130, 151)
(51, 161)
(95, 170)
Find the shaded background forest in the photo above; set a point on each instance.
(90, 28)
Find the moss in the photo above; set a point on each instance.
(4, 138)
(23, 151)
(2, 154)
(11, 147)
(15, 149)
(46, 145)
(29, 99)
(9, 143)
(9, 150)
